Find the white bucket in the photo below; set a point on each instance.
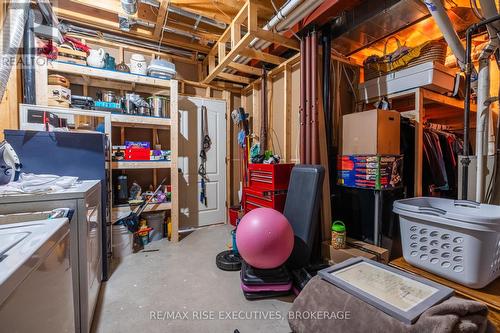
(123, 241)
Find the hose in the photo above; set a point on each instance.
(10, 39)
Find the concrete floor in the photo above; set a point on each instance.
(181, 280)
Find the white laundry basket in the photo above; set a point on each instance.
(456, 239)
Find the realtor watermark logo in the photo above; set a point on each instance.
(248, 315)
(17, 18)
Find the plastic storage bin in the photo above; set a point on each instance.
(458, 240)
(123, 241)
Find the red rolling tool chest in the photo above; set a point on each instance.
(267, 186)
(270, 177)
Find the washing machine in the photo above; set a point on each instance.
(36, 284)
(85, 238)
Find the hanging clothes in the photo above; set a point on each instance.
(440, 164)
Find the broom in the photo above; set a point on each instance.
(132, 220)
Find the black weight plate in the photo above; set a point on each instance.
(228, 261)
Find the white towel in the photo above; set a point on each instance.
(30, 183)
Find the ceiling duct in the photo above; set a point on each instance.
(129, 6)
(10, 39)
(373, 21)
(196, 17)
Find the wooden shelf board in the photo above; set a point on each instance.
(119, 212)
(139, 121)
(140, 164)
(106, 74)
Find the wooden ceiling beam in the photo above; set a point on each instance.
(234, 78)
(160, 19)
(228, 58)
(274, 37)
(245, 68)
(142, 33)
(262, 56)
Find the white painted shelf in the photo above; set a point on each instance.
(140, 165)
(106, 74)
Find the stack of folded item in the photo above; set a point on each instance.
(370, 171)
(263, 283)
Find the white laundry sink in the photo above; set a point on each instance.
(11, 239)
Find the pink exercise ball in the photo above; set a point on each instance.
(264, 238)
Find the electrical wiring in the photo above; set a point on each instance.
(350, 84)
(277, 140)
(163, 25)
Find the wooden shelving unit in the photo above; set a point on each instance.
(123, 211)
(423, 105)
(102, 78)
(124, 165)
(106, 74)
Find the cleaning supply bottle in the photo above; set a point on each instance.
(338, 235)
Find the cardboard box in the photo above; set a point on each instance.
(354, 248)
(381, 253)
(374, 132)
(336, 256)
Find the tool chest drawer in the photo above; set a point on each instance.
(263, 199)
(269, 176)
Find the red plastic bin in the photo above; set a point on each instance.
(269, 176)
(233, 214)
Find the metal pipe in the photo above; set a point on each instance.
(308, 99)
(489, 9)
(129, 6)
(302, 100)
(482, 119)
(468, 77)
(181, 33)
(314, 101)
(327, 100)
(48, 13)
(10, 39)
(263, 116)
(206, 20)
(28, 65)
(443, 21)
(483, 116)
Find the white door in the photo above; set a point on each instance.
(193, 212)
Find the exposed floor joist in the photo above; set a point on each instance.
(160, 20)
(95, 20)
